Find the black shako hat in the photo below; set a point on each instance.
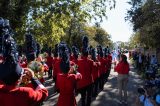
(38, 49)
(10, 71)
(4, 32)
(106, 52)
(64, 55)
(55, 50)
(93, 54)
(90, 50)
(75, 52)
(100, 50)
(20, 50)
(85, 42)
(49, 51)
(31, 47)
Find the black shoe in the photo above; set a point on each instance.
(125, 102)
(120, 102)
(49, 76)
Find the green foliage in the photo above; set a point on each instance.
(91, 31)
(74, 33)
(124, 45)
(48, 30)
(51, 20)
(101, 36)
(98, 36)
(134, 40)
(77, 30)
(144, 15)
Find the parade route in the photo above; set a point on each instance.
(107, 97)
(79, 53)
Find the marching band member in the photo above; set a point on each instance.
(12, 74)
(102, 68)
(107, 63)
(85, 66)
(49, 62)
(74, 55)
(55, 59)
(110, 62)
(57, 69)
(66, 81)
(95, 71)
(31, 51)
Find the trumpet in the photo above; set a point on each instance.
(37, 68)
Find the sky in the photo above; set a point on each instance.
(115, 25)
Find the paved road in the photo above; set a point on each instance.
(107, 97)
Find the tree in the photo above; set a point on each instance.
(145, 17)
(134, 40)
(77, 30)
(102, 37)
(74, 33)
(48, 19)
(90, 32)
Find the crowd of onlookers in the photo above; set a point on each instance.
(142, 61)
(149, 93)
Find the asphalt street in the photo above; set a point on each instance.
(107, 97)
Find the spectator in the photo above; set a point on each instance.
(122, 69)
(140, 61)
(147, 61)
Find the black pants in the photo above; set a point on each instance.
(101, 81)
(86, 92)
(108, 73)
(95, 88)
(50, 72)
(55, 87)
(140, 67)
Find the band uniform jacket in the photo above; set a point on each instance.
(21, 96)
(66, 84)
(85, 66)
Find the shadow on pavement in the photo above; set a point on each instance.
(107, 97)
